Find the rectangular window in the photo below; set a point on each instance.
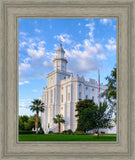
(93, 98)
(45, 98)
(62, 98)
(68, 96)
(51, 96)
(86, 96)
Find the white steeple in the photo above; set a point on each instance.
(60, 60)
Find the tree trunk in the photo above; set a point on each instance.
(36, 122)
(59, 127)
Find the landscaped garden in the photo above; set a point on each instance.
(29, 131)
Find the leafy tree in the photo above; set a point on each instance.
(22, 119)
(37, 106)
(85, 112)
(102, 117)
(110, 92)
(34, 118)
(29, 125)
(58, 120)
(91, 116)
(21, 124)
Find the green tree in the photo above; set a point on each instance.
(91, 116)
(37, 106)
(58, 120)
(85, 114)
(34, 118)
(21, 124)
(22, 119)
(102, 117)
(29, 125)
(110, 92)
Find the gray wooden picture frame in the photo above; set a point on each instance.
(123, 11)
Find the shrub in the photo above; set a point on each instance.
(102, 132)
(50, 132)
(79, 133)
(57, 133)
(41, 131)
(26, 132)
(69, 131)
(64, 132)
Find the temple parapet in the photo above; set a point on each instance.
(88, 82)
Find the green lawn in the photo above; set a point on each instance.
(33, 137)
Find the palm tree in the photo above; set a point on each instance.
(37, 106)
(59, 119)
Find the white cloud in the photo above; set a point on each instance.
(23, 82)
(34, 90)
(26, 60)
(38, 60)
(106, 21)
(91, 28)
(23, 33)
(37, 30)
(111, 44)
(114, 27)
(55, 46)
(36, 53)
(25, 103)
(101, 56)
(112, 41)
(65, 38)
(48, 64)
(38, 74)
(22, 44)
(24, 66)
(85, 57)
(36, 50)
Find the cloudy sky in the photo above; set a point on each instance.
(90, 44)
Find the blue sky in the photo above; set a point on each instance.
(89, 44)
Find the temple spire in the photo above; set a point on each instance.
(61, 43)
(60, 60)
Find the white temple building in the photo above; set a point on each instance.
(63, 92)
